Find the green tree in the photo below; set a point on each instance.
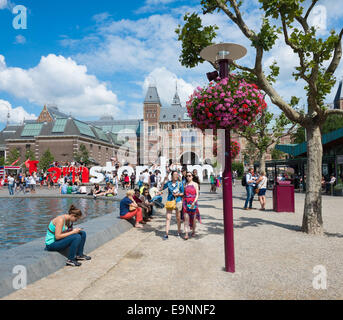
(332, 123)
(318, 61)
(82, 156)
(13, 156)
(265, 134)
(277, 154)
(239, 167)
(299, 136)
(46, 160)
(29, 154)
(250, 154)
(2, 161)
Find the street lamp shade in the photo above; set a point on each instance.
(229, 51)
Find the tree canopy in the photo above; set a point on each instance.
(46, 160)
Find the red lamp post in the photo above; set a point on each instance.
(223, 54)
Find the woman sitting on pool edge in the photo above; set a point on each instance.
(61, 235)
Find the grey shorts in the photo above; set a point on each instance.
(179, 205)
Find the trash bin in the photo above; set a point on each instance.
(283, 197)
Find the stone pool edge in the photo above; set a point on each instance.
(40, 263)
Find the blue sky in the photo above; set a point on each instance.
(93, 58)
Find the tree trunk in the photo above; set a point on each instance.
(262, 159)
(312, 220)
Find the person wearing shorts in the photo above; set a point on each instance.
(262, 187)
(175, 192)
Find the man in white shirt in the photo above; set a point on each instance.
(140, 180)
(158, 179)
(10, 185)
(146, 177)
(32, 182)
(83, 189)
(156, 196)
(250, 188)
(330, 184)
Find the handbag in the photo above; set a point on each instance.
(171, 205)
(257, 190)
(189, 206)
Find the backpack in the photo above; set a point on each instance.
(244, 180)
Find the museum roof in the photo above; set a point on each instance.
(152, 96)
(172, 114)
(57, 128)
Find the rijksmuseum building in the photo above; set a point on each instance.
(164, 131)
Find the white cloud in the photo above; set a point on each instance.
(165, 82)
(129, 45)
(318, 19)
(334, 9)
(101, 17)
(17, 115)
(3, 4)
(153, 5)
(146, 45)
(19, 39)
(62, 81)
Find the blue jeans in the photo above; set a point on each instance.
(159, 200)
(75, 243)
(250, 196)
(10, 189)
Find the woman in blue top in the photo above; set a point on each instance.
(61, 236)
(175, 192)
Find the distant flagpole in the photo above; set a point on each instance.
(15, 162)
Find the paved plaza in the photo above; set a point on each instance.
(274, 259)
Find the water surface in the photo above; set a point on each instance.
(23, 220)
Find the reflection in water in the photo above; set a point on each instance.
(23, 220)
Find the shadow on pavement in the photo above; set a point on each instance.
(331, 235)
(256, 222)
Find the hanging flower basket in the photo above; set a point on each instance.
(231, 103)
(234, 147)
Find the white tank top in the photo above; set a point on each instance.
(263, 183)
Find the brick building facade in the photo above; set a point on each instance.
(63, 136)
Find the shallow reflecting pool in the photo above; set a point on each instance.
(23, 220)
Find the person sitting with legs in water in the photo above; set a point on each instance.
(61, 236)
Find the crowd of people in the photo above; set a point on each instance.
(183, 190)
(21, 183)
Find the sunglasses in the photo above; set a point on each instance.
(189, 175)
